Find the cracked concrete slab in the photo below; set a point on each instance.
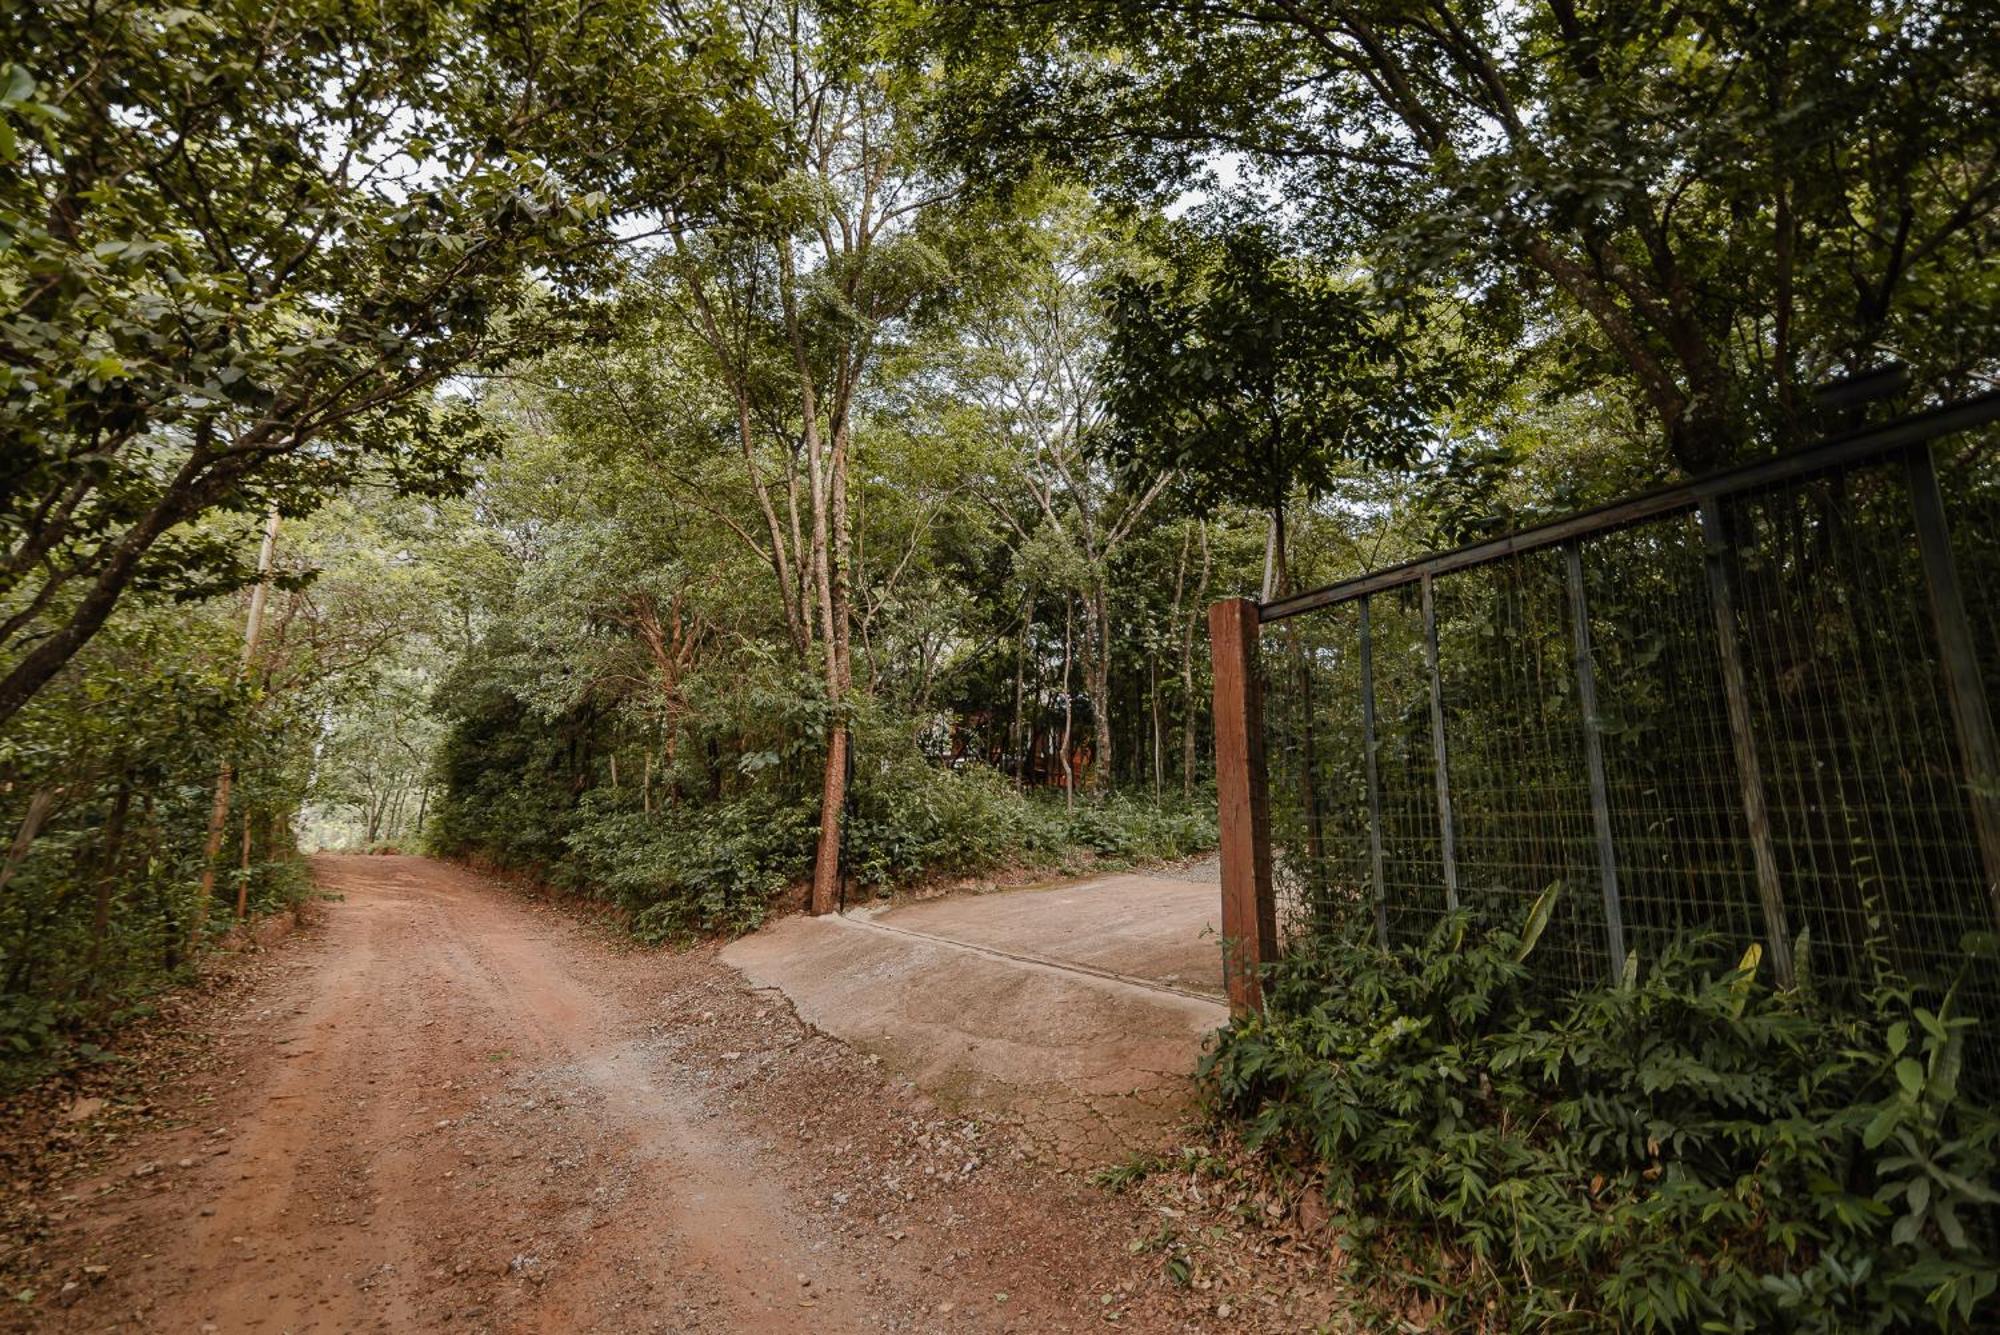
(1077, 1011)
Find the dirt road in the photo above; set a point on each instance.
(456, 1107)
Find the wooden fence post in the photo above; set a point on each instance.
(1717, 545)
(1249, 909)
(1966, 691)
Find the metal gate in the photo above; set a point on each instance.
(1757, 703)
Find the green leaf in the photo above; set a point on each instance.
(1906, 1230)
(1949, 1225)
(1946, 1062)
(1882, 1125)
(1910, 1075)
(1538, 919)
(1746, 974)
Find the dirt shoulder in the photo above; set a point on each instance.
(450, 1106)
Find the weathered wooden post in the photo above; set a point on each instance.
(1978, 752)
(1593, 757)
(1249, 909)
(1717, 546)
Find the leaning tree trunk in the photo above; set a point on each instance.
(1098, 630)
(218, 814)
(1020, 675)
(1069, 705)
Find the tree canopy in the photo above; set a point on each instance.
(1704, 208)
(247, 250)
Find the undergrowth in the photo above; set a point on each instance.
(716, 867)
(1689, 1150)
(114, 978)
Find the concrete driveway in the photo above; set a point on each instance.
(1076, 1010)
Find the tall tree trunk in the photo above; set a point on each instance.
(1159, 735)
(218, 814)
(827, 473)
(243, 874)
(833, 795)
(1189, 703)
(1015, 742)
(1069, 704)
(170, 932)
(107, 883)
(1097, 630)
(1274, 553)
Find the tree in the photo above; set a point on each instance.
(794, 301)
(1032, 358)
(1710, 205)
(246, 249)
(1252, 375)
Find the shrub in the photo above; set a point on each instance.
(735, 815)
(912, 820)
(1124, 827)
(1688, 1150)
(712, 869)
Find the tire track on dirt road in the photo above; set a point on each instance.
(460, 1109)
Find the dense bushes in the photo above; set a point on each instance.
(706, 843)
(913, 821)
(711, 869)
(107, 782)
(1691, 1150)
(717, 867)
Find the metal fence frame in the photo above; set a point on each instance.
(1249, 913)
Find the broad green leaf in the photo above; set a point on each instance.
(1882, 1125)
(1538, 919)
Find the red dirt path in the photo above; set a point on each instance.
(455, 1107)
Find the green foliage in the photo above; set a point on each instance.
(730, 829)
(912, 820)
(1252, 374)
(244, 247)
(108, 778)
(1702, 208)
(96, 911)
(1131, 828)
(1690, 1150)
(715, 870)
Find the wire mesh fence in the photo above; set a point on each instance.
(1758, 705)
